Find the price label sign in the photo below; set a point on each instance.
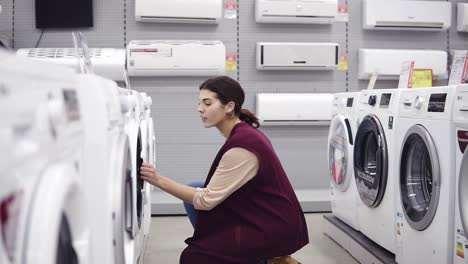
(343, 62)
(459, 71)
(231, 62)
(230, 9)
(421, 78)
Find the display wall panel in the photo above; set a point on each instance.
(297, 147)
(394, 39)
(108, 29)
(457, 40)
(185, 149)
(251, 32)
(302, 151)
(178, 120)
(186, 161)
(6, 20)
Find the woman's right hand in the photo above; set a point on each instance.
(149, 174)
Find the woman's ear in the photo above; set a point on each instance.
(230, 107)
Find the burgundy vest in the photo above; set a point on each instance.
(260, 220)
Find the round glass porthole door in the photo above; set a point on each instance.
(463, 190)
(370, 161)
(123, 207)
(419, 178)
(339, 152)
(128, 194)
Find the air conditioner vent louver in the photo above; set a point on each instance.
(107, 62)
(61, 53)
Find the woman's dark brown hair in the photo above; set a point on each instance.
(227, 90)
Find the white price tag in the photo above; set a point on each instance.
(459, 71)
(372, 80)
(406, 74)
(230, 9)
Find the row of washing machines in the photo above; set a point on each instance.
(399, 170)
(71, 147)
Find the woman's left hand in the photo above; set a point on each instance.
(150, 174)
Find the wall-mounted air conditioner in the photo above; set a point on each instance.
(296, 11)
(296, 56)
(283, 109)
(388, 62)
(175, 58)
(406, 15)
(179, 11)
(462, 17)
(106, 62)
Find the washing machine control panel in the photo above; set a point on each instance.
(437, 102)
(434, 103)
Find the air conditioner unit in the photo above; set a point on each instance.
(175, 58)
(296, 56)
(388, 62)
(179, 11)
(283, 109)
(462, 17)
(296, 11)
(107, 62)
(406, 15)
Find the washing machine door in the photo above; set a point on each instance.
(139, 183)
(370, 161)
(340, 141)
(57, 229)
(419, 177)
(121, 167)
(463, 184)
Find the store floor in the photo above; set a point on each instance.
(166, 242)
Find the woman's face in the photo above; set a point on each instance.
(211, 110)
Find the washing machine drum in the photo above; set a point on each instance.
(370, 161)
(340, 141)
(419, 178)
(65, 250)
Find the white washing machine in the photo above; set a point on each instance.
(43, 211)
(425, 188)
(340, 158)
(105, 161)
(132, 127)
(460, 119)
(374, 167)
